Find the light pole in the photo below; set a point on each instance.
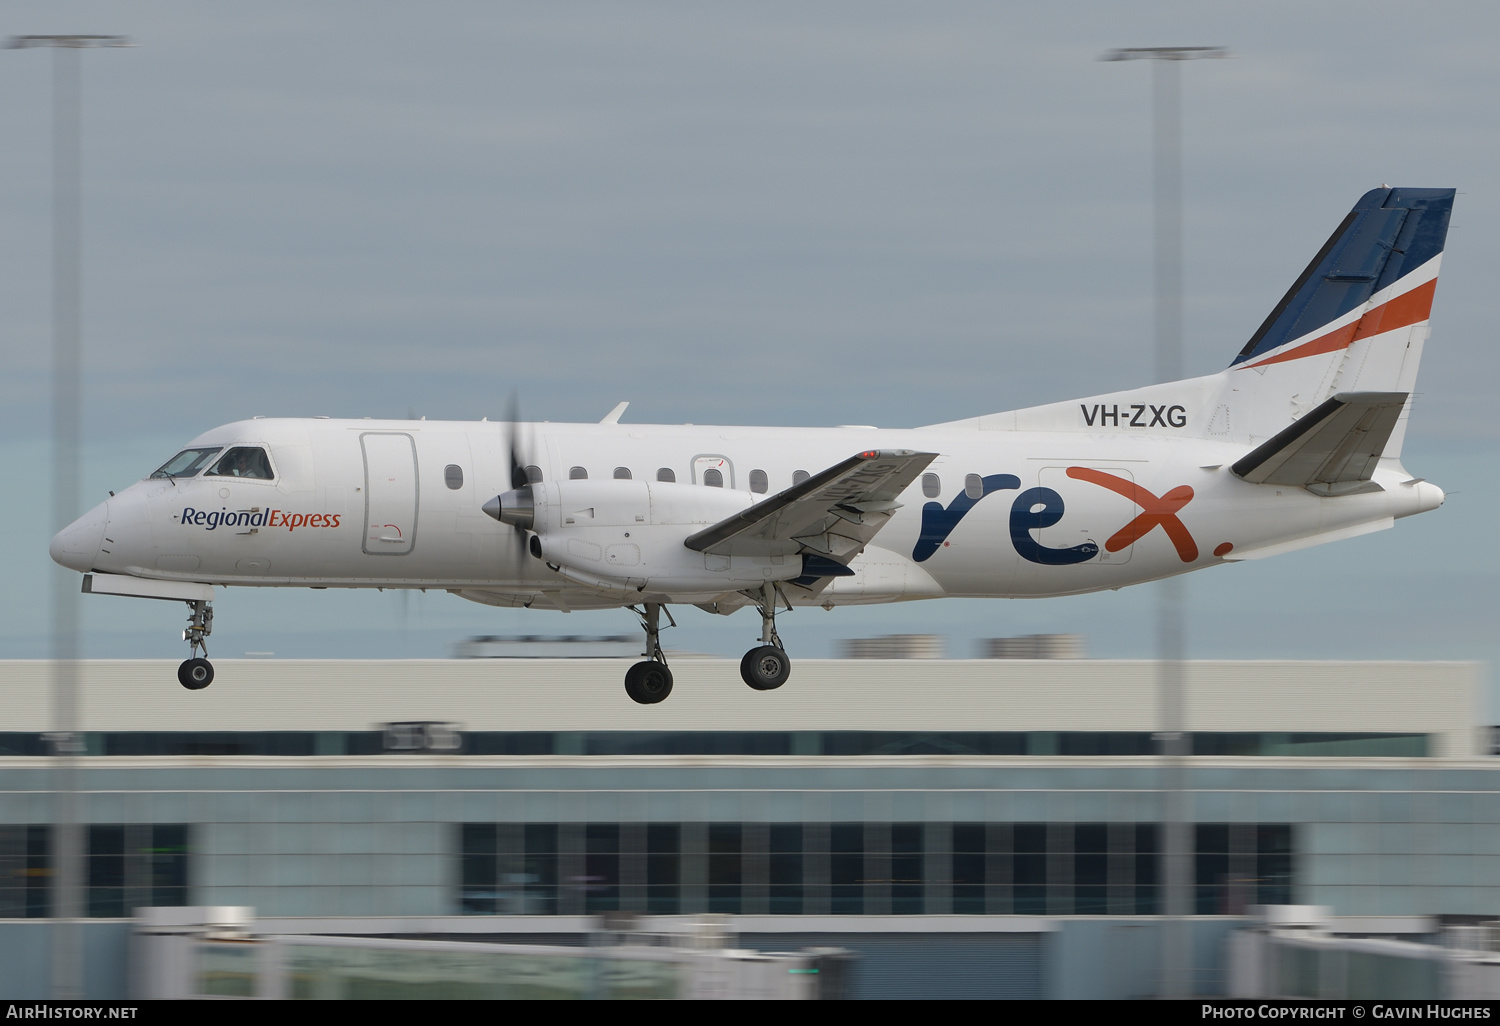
(1176, 851)
(67, 846)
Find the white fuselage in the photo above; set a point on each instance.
(369, 503)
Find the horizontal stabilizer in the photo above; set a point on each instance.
(832, 514)
(1333, 450)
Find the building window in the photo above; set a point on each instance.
(666, 474)
(1029, 869)
(577, 474)
(132, 865)
(758, 482)
(479, 891)
(846, 868)
(907, 875)
(538, 877)
(1237, 865)
(1212, 881)
(724, 867)
(453, 476)
(1273, 864)
(622, 474)
(663, 869)
(1090, 869)
(1147, 894)
(1054, 868)
(601, 881)
(25, 871)
(785, 851)
(442, 737)
(932, 487)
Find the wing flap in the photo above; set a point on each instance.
(834, 513)
(1332, 450)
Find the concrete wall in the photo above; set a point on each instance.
(1442, 699)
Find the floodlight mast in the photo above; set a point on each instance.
(1167, 132)
(65, 42)
(1176, 961)
(67, 847)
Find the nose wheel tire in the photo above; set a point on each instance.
(648, 682)
(765, 668)
(195, 674)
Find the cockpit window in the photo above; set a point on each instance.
(187, 463)
(243, 461)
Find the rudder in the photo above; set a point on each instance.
(1357, 316)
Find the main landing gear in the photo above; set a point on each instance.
(766, 667)
(649, 681)
(196, 673)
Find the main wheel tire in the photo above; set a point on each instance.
(765, 668)
(195, 674)
(648, 682)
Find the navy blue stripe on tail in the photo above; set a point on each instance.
(1389, 233)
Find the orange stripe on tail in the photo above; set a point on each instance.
(1405, 310)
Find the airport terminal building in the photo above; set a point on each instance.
(954, 822)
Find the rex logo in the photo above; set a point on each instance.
(1038, 508)
(1154, 511)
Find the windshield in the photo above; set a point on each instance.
(244, 461)
(187, 463)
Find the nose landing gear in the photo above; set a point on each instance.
(197, 673)
(766, 667)
(650, 681)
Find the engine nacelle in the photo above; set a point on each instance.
(628, 536)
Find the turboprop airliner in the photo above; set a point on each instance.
(1296, 443)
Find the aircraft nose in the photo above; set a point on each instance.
(77, 545)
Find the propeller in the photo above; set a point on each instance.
(518, 478)
(516, 506)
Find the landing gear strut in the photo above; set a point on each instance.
(767, 667)
(196, 673)
(650, 681)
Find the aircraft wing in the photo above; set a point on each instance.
(831, 515)
(1332, 450)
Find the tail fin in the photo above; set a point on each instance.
(1356, 319)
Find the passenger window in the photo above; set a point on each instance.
(758, 482)
(578, 474)
(974, 486)
(243, 461)
(666, 474)
(798, 476)
(187, 463)
(533, 475)
(931, 486)
(622, 473)
(713, 478)
(453, 476)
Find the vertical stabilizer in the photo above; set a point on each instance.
(1354, 321)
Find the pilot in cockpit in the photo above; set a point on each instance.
(244, 461)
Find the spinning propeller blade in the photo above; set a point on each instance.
(515, 506)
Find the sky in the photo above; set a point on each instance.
(770, 213)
